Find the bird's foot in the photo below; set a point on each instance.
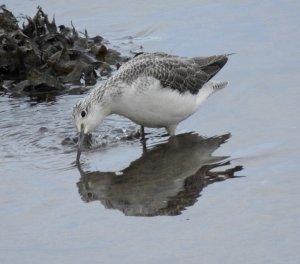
(139, 134)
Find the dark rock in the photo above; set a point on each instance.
(41, 57)
(37, 82)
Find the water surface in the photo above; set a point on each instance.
(51, 212)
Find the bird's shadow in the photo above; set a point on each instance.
(164, 180)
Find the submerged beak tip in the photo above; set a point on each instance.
(78, 157)
(81, 138)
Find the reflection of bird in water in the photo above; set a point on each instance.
(163, 181)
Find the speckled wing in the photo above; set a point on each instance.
(177, 73)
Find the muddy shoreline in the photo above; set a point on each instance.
(39, 58)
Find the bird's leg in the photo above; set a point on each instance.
(143, 139)
(139, 134)
(142, 133)
(144, 145)
(171, 129)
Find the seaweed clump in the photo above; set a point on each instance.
(40, 57)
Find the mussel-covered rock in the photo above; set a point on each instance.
(41, 57)
(37, 82)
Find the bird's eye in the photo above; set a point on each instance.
(83, 113)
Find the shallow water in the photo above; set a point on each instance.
(51, 212)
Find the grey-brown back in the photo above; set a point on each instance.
(178, 73)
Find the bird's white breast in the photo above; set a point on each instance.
(147, 103)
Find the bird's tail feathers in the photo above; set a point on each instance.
(217, 85)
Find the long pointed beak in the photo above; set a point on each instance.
(80, 144)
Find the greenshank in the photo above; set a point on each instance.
(153, 90)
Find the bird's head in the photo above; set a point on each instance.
(87, 115)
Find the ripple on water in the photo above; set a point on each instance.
(36, 133)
